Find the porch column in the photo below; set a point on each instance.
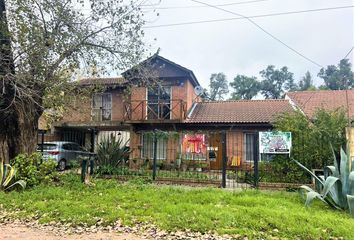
(256, 159)
(224, 158)
(93, 132)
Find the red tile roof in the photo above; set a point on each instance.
(117, 81)
(244, 111)
(310, 101)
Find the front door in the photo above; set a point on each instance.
(215, 151)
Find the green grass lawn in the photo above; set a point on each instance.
(177, 208)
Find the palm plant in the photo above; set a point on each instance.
(112, 152)
(336, 186)
(7, 175)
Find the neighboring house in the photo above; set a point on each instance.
(310, 101)
(196, 127)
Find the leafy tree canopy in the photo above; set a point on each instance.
(219, 86)
(44, 43)
(338, 77)
(244, 87)
(276, 82)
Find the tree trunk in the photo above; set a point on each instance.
(20, 134)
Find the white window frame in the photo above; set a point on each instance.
(245, 146)
(101, 107)
(158, 157)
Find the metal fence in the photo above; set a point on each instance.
(165, 159)
(231, 160)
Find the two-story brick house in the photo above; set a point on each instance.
(169, 106)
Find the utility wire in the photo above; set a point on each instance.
(218, 5)
(239, 18)
(263, 30)
(349, 52)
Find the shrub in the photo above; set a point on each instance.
(311, 140)
(282, 170)
(33, 170)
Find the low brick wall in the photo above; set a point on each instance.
(280, 186)
(169, 181)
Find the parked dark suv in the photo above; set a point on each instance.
(64, 152)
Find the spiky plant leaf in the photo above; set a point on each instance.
(21, 183)
(309, 171)
(350, 200)
(311, 196)
(344, 171)
(9, 175)
(329, 183)
(335, 163)
(351, 183)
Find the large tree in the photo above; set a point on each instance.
(219, 86)
(306, 83)
(244, 87)
(276, 82)
(43, 42)
(338, 77)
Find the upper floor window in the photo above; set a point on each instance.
(159, 103)
(102, 107)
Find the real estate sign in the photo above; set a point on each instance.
(275, 142)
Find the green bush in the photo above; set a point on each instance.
(311, 140)
(282, 170)
(33, 170)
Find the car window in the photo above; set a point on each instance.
(75, 147)
(67, 146)
(46, 146)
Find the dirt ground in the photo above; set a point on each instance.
(14, 231)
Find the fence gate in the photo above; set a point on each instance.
(241, 160)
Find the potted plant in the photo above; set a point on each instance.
(198, 167)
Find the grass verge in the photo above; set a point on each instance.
(252, 213)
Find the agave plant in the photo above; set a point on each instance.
(7, 175)
(112, 152)
(336, 186)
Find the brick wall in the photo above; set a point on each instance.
(190, 95)
(234, 147)
(117, 105)
(79, 112)
(138, 106)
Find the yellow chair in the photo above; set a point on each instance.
(235, 161)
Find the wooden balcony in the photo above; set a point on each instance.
(159, 111)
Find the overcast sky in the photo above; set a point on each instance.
(239, 47)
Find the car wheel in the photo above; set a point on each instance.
(62, 165)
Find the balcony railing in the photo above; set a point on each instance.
(162, 110)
